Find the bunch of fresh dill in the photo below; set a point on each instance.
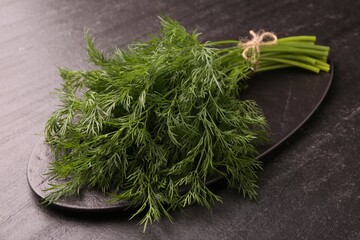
(163, 116)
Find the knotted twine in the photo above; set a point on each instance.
(258, 39)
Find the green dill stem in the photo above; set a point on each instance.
(297, 38)
(223, 42)
(279, 48)
(293, 63)
(307, 45)
(322, 65)
(301, 58)
(299, 51)
(322, 62)
(230, 54)
(272, 67)
(297, 42)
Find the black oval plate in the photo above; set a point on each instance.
(287, 98)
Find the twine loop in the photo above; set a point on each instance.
(253, 46)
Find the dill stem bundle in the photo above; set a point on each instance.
(164, 116)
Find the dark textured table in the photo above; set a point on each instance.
(309, 189)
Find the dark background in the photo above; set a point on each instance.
(309, 189)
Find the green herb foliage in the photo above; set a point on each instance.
(153, 123)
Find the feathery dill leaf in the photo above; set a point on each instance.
(155, 119)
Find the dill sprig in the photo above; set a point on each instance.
(153, 123)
